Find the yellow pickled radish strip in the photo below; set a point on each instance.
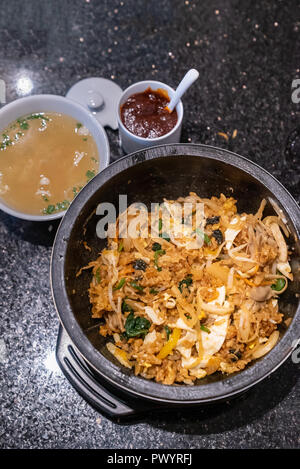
(201, 315)
(122, 354)
(119, 354)
(251, 345)
(171, 344)
(208, 251)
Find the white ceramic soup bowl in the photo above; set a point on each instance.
(52, 103)
(131, 142)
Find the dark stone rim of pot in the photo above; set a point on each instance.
(116, 374)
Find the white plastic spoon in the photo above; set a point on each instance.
(185, 83)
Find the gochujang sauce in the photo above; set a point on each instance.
(145, 114)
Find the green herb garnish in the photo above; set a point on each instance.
(50, 209)
(6, 142)
(207, 239)
(160, 224)
(90, 174)
(136, 326)
(121, 246)
(165, 236)
(62, 205)
(37, 116)
(168, 332)
(97, 275)
(76, 190)
(126, 307)
(23, 124)
(187, 281)
(203, 235)
(279, 284)
(56, 208)
(159, 252)
(153, 291)
(18, 135)
(205, 329)
(120, 284)
(156, 247)
(78, 125)
(136, 286)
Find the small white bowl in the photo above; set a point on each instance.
(131, 142)
(52, 103)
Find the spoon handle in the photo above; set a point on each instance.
(185, 83)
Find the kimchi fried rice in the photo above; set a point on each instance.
(174, 313)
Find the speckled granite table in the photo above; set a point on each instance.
(247, 54)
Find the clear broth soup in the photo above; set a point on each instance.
(45, 160)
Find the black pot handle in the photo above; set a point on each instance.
(88, 383)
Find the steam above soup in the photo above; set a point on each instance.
(45, 160)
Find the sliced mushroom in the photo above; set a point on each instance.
(261, 293)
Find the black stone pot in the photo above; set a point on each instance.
(148, 176)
